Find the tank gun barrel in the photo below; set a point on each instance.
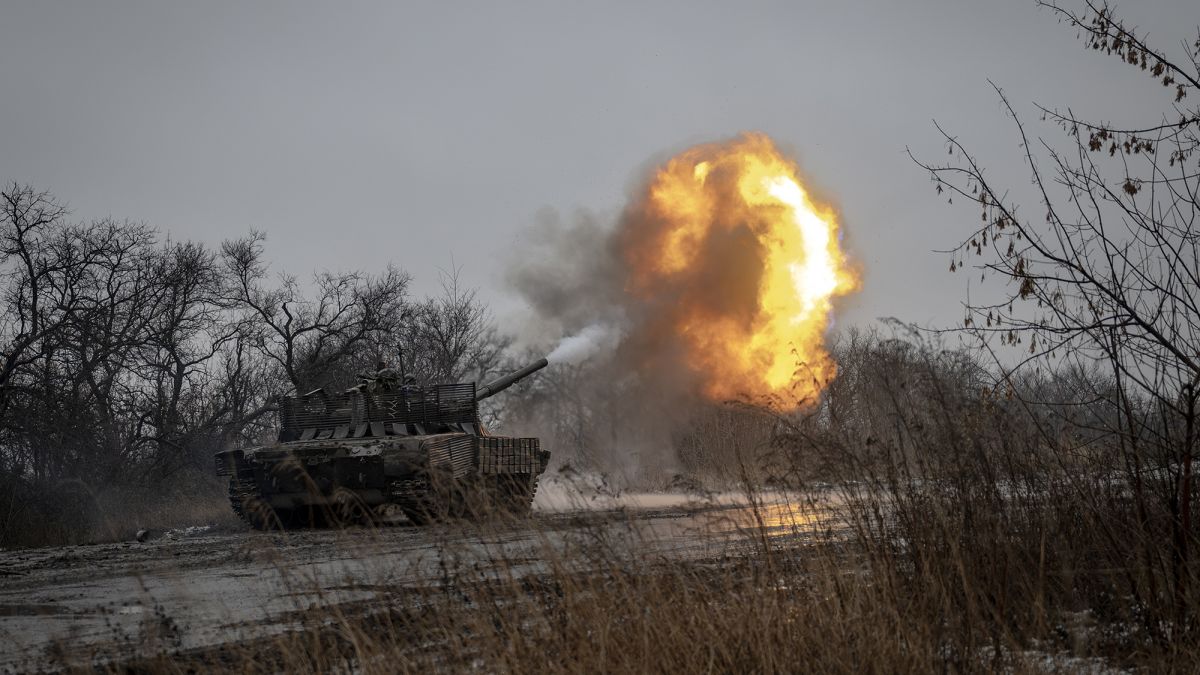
(501, 383)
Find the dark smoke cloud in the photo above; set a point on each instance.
(568, 273)
(628, 393)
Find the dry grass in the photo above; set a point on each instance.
(877, 596)
(36, 514)
(972, 541)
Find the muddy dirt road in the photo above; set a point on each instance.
(196, 587)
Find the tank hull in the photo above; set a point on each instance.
(318, 482)
(341, 456)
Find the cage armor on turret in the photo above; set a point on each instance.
(342, 456)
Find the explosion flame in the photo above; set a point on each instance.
(738, 267)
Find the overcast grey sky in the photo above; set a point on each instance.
(431, 134)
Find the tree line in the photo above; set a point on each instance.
(127, 358)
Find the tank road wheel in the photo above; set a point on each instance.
(416, 501)
(244, 499)
(348, 508)
(419, 514)
(438, 507)
(430, 510)
(260, 515)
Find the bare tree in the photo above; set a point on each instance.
(40, 266)
(199, 391)
(125, 362)
(451, 337)
(1107, 269)
(312, 339)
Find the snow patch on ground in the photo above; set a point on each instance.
(579, 491)
(191, 531)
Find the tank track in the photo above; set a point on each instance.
(241, 490)
(247, 503)
(415, 497)
(413, 492)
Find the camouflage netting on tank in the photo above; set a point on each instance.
(357, 412)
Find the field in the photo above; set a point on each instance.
(830, 579)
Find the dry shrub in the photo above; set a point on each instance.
(48, 513)
(815, 601)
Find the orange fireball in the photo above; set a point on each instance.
(739, 264)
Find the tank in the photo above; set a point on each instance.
(342, 457)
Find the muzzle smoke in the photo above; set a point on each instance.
(591, 340)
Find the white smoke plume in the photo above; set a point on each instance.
(594, 339)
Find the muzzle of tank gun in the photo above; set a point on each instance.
(501, 383)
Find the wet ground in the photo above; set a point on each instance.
(196, 587)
